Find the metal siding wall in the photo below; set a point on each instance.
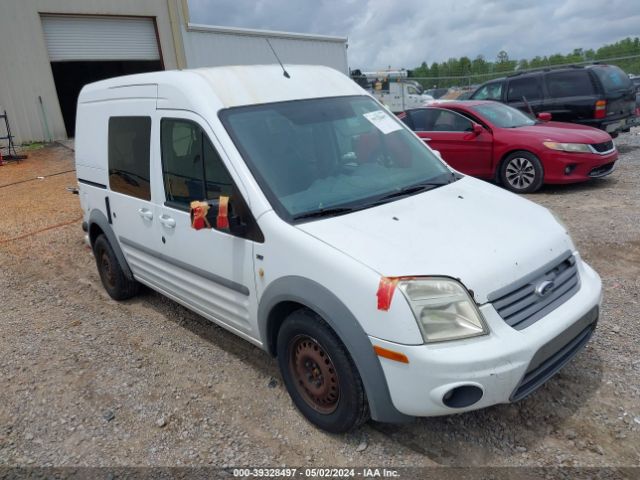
(209, 49)
(25, 70)
(95, 38)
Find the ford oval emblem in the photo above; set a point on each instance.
(545, 288)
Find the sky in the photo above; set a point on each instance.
(405, 33)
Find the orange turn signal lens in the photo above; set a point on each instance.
(390, 354)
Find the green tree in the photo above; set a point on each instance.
(624, 53)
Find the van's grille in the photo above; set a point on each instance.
(550, 359)
(531, 298)
(603, 147)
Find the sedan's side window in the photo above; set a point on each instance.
(191, 167)
(448, 121)
(423, 119)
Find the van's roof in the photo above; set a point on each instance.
(231, 86)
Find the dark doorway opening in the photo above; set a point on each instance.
(70, 77)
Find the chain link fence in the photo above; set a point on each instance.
(459, 78)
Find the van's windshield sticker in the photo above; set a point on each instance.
(382, 121)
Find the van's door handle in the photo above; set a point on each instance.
(145, 213)
(167, 221)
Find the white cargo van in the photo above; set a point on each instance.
(325, 232)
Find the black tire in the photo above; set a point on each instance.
(115, 282)
(521, 172)
(319, 374)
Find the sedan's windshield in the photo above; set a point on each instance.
(330, 156)
(502, 115)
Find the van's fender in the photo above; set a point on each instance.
(96, 217)
(319, 299)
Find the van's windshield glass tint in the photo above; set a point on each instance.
(503, 116)
(331, 155)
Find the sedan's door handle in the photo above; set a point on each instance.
(145, 213)
(167, 221)
(425, 139)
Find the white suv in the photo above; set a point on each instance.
(325, 232)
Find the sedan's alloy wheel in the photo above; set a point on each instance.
(520, 173)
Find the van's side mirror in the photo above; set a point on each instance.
(544, 116)
(477, 129)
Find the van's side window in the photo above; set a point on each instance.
(129, 152)
(191, 166)
(491, 91)
(569, 84)
(527, 87)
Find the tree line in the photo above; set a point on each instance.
(464, 71)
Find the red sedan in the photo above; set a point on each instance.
(494, 141)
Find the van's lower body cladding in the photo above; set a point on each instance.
(552, 357)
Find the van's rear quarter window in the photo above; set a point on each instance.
(129, 152)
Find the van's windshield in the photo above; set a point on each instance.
(330, 156)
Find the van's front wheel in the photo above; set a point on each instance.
(319, 374)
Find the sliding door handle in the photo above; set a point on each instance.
(145, 213)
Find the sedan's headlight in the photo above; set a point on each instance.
(443, 308)
(568, 147)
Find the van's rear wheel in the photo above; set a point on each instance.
(114, 281)
(319, 374)
(522, 172)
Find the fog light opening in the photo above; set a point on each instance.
(568, 169)
(462, 396)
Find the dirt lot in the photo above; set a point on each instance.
(88, 381)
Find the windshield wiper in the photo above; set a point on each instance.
(325, 212)
(411, 189)
(408, 190)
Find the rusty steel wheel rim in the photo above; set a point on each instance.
(107, 270)
(314, 374)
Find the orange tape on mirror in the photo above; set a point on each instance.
(385, 292)
(222, 220)
(198, 213)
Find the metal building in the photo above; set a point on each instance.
(51, 48)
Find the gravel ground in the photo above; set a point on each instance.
(86, 381)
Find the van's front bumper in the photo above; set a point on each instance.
(505, 365)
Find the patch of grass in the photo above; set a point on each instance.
(32, 145)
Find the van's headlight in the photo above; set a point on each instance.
(443, 308)
(568, 147)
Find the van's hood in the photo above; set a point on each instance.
(470, 230)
